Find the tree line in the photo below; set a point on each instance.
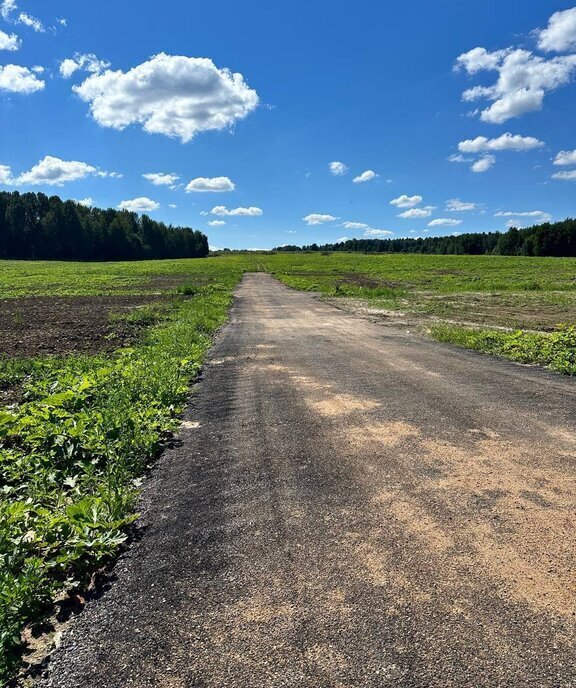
(548, 239)
(34, 226)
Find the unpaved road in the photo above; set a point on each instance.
(357, 507)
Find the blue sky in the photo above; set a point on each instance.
(95, 95)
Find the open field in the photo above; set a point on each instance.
(96, 361)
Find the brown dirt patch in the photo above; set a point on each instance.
(38, 326)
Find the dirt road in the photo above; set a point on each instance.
(350, 505)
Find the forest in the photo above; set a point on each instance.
(548, 239)
(34, 226)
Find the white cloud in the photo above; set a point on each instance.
(113, 175)
(484, 164)
(342, 239)
(210, 184)
(540, 214)
(52, 171)
(479, 59)
(507, 141)
(7, 8)
(560, 34)
(567, 176)
(375, 233)
(406, 201)
(514, 223)
(6, 178)
(172, 205)
(223, 211)
(366, 176)
(455, 205)
(565, 158)
(87, 62)
(318, 218)
(217, 223)
(88, 202)
(9, 41)
(160, 179)
(456, 157)
(169, 94)
(62, 21)
(16, 79)
(417, 213)
(523, 80)
(139, 205)
(338, 168)
(445, 222)
(355, 225)
(32, 22)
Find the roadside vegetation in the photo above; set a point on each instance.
(76, 436)
(554, 350)
(84, 411)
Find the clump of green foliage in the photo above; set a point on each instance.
(554, 350)
(72, 453)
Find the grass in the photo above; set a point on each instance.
(84, 428)
(554, 350)
(74, 448)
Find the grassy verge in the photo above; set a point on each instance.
(554, 350)
(73, 450)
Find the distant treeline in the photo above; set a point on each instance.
(549, 239)
(35, 226)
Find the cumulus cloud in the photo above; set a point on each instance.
(6, 178)
(7, 8)
(53, 171)
(172, 95)
(375, 233)
(405, 201)
(560, 34)
(223, 211)
(455, 205)
(522, 83)
(139, 205)
(217, 223)
(32, 22)
(445, 222)
(9, 42)
(88, 202)
(366, 176)
(210, 185)
(457, 157)
(338, 168)
(160, 179)
(318, 218)
(479, 59)
(86, 62)
(565, 158)
(483, 164)
(567, 176)
(355, 225)
(17, 79)
(506, 142)
(417, 213)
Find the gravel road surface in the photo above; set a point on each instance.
(350, 505)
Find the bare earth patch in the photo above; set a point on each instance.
(38, 326)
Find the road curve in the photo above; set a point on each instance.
(349, 506)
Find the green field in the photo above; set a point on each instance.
(79, 427)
